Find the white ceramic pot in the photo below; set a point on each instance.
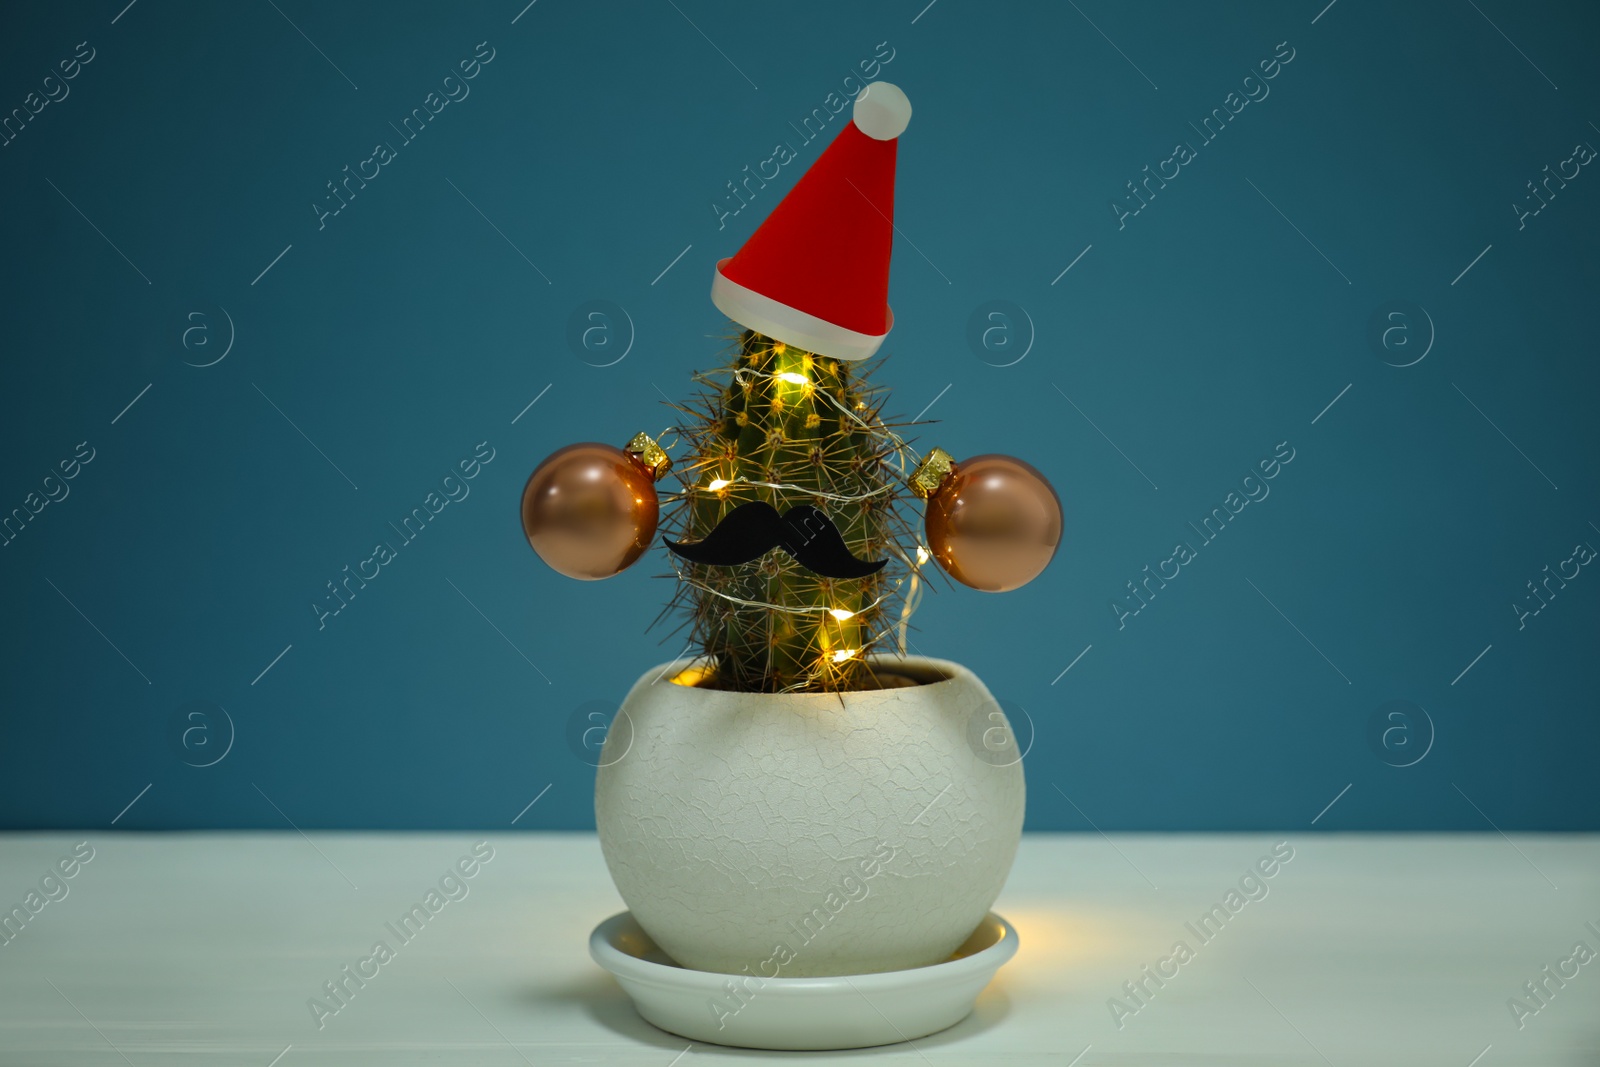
(810, 834)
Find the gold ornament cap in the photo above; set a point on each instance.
(652, 456)
(935, 467)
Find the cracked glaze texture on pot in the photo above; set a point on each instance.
(809, 834)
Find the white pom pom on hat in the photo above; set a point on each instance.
(882, 111)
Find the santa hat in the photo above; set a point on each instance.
(816, 273)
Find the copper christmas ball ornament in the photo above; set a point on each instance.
(993, 523)
(590, 510)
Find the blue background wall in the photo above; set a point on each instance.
(162, 209)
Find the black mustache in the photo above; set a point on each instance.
(751, 530)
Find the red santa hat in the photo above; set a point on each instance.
(816, 273)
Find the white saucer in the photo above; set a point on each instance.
(853, 1011)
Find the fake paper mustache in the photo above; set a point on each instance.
(751, 530)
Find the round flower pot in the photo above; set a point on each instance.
(810, 834)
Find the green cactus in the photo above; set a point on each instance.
(811, 424)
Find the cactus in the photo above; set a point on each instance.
(786, 426)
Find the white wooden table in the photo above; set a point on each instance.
(205, 949)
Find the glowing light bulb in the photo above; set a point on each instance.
(922, 555)
(716, 483)
(841, 614)
(794, 379)
(844, 654)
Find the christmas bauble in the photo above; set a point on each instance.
(590, 510)
(993, 523)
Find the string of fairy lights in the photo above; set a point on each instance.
(897, 446)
